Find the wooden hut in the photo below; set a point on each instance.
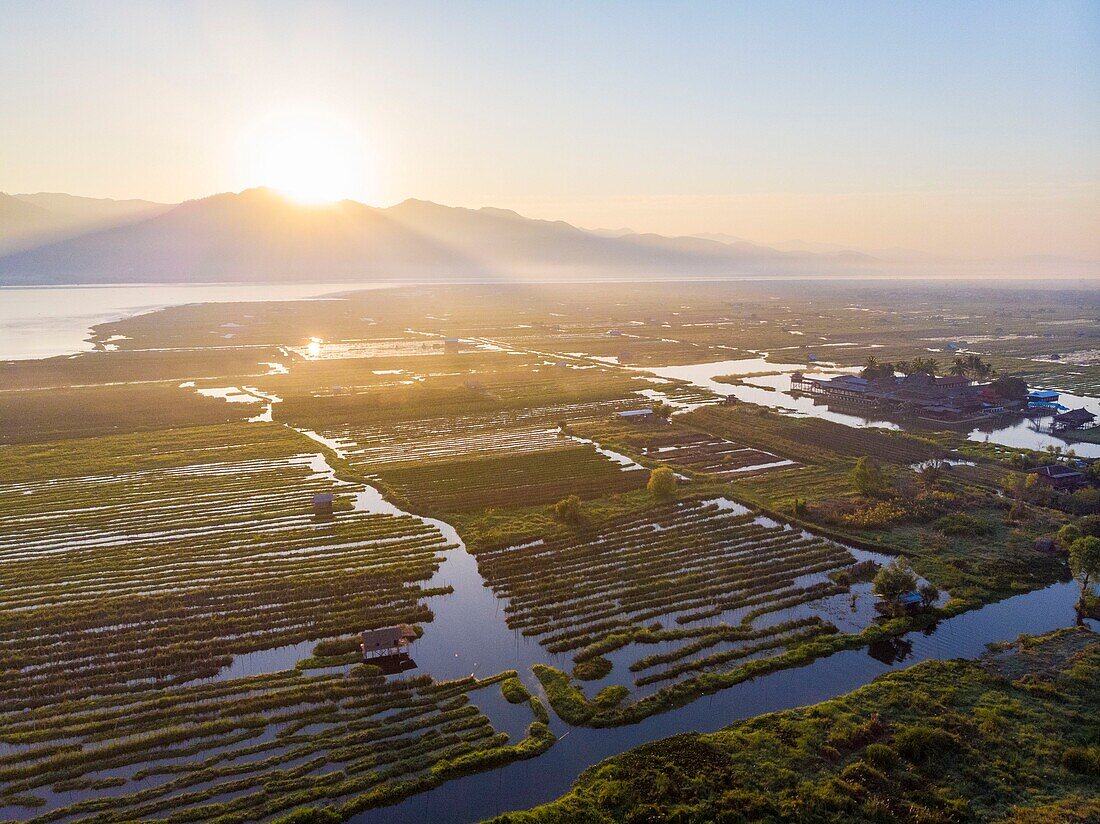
(377, 643)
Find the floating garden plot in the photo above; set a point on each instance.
(157, 569)
(511, 480)
(250, 748)
(711, 455)
(700, 579)
(811, 439)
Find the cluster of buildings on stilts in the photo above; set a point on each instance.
(947, 399)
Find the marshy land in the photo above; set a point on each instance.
(179, 626)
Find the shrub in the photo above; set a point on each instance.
(610, 697)
(592, 669)
(881, 756)
(311, 815)
(336, 646)
(1085, 760)
(919, 743)
(959, 523)
(568, 511)
(513, 691)
(662, 483)
(895, 579)
(867, 477)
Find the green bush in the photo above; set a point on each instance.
(920, 743)
(311, 815)
(610, 697)
(662, 483)
(1085, 760)
(592, 669)
(513, 691)
(568, 511)
(336, 646)
(959, 523)
(881, 756)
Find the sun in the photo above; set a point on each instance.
(311, 158)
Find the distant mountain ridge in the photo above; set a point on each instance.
(32, 220)
(258, 235)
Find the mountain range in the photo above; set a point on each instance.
(258, 235)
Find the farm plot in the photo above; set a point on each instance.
(680, 566)
(510, 480)
(250, 748)
(811, 440)
(516, 431)
(711, 455)
(136, 561)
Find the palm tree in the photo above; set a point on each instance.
(931, 365)
(927, 365)
(904, 367)
(959, 367)
(870, 368)
(976, 367)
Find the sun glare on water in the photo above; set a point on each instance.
(309, 158)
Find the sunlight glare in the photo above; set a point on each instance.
(311, 158)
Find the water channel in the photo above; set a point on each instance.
(469, 636)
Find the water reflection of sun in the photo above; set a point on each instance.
(313, 348)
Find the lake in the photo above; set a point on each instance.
(46, 321)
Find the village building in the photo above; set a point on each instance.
(1061, 477)
(1049, 396)
(638, 416)
(322, 504)
(377, 643)
(950, 398)
(1074, 419)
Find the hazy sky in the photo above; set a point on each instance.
(963, 128)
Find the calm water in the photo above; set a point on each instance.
(469, 636)
(450, 649)
(45, 321)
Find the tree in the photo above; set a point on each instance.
(1010, 388)
(894, 580)
(1068, 534)
(1093, 472)
(931, 471)
(1084, 562)
(662, 410)
(568, 511)
(867, 477)
(928, 594)
(959, 367)
(976, 367)
(662, 483)
(873, 370)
